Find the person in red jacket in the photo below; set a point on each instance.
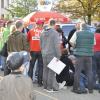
(96, 57)
(33, 37)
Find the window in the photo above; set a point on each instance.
(2, 3)
(67, 28)
(7, 2)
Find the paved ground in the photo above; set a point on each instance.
(62, 94)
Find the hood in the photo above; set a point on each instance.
(47, 31)
(16, 33)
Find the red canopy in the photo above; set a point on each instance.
(46, 15)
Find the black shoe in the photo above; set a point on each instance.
(79, 91)
(90, 91)
(99, 91)
(2, 69)
(40, 85)
(84, 91)
(55, 90)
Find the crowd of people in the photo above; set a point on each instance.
(22, 49)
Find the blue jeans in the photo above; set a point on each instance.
(84, 82)
(2, 62)
(26, 62)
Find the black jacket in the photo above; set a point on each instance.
(3, 51)
(65, 74)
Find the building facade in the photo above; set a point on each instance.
(4, 4)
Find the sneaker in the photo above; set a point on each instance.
(40, 85)
(2, 69)
(64, 88)
(61, 85)
(99, 91)
(49, 90)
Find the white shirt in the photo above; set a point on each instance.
(74, 37)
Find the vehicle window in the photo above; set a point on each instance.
(67, 29)
(92, 29)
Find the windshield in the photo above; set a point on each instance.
(92, 29)
(66, 29)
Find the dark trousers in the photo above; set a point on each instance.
(85, 63)
(36, 56)
(96, 65)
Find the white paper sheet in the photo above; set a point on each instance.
(56, 65)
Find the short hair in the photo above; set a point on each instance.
(14, 61)
(52, 22)
(83, 26)
(59, 30)
(12, 28)
(9, 22)
(19, 24)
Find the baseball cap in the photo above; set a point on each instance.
(40, 22)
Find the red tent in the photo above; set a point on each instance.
(46, 15)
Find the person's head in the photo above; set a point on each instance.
(52, 23)
(83, 26)
(14, 62)
(26, 24)
(9, 23)
(59, 30)
(12, 29)
(77, 26)
(1, 29)
(2, 16)
(40, 23)
(19, 25)
(97, 30)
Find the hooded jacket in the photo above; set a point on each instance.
(16, 87)
(50, 43)
(17, 42)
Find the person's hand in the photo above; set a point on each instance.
(30, 56)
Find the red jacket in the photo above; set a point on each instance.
(97, 46)
(33, 37)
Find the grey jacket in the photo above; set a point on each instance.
(16, 87)
(50, 43)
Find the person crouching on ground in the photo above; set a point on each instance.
(16, 86)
